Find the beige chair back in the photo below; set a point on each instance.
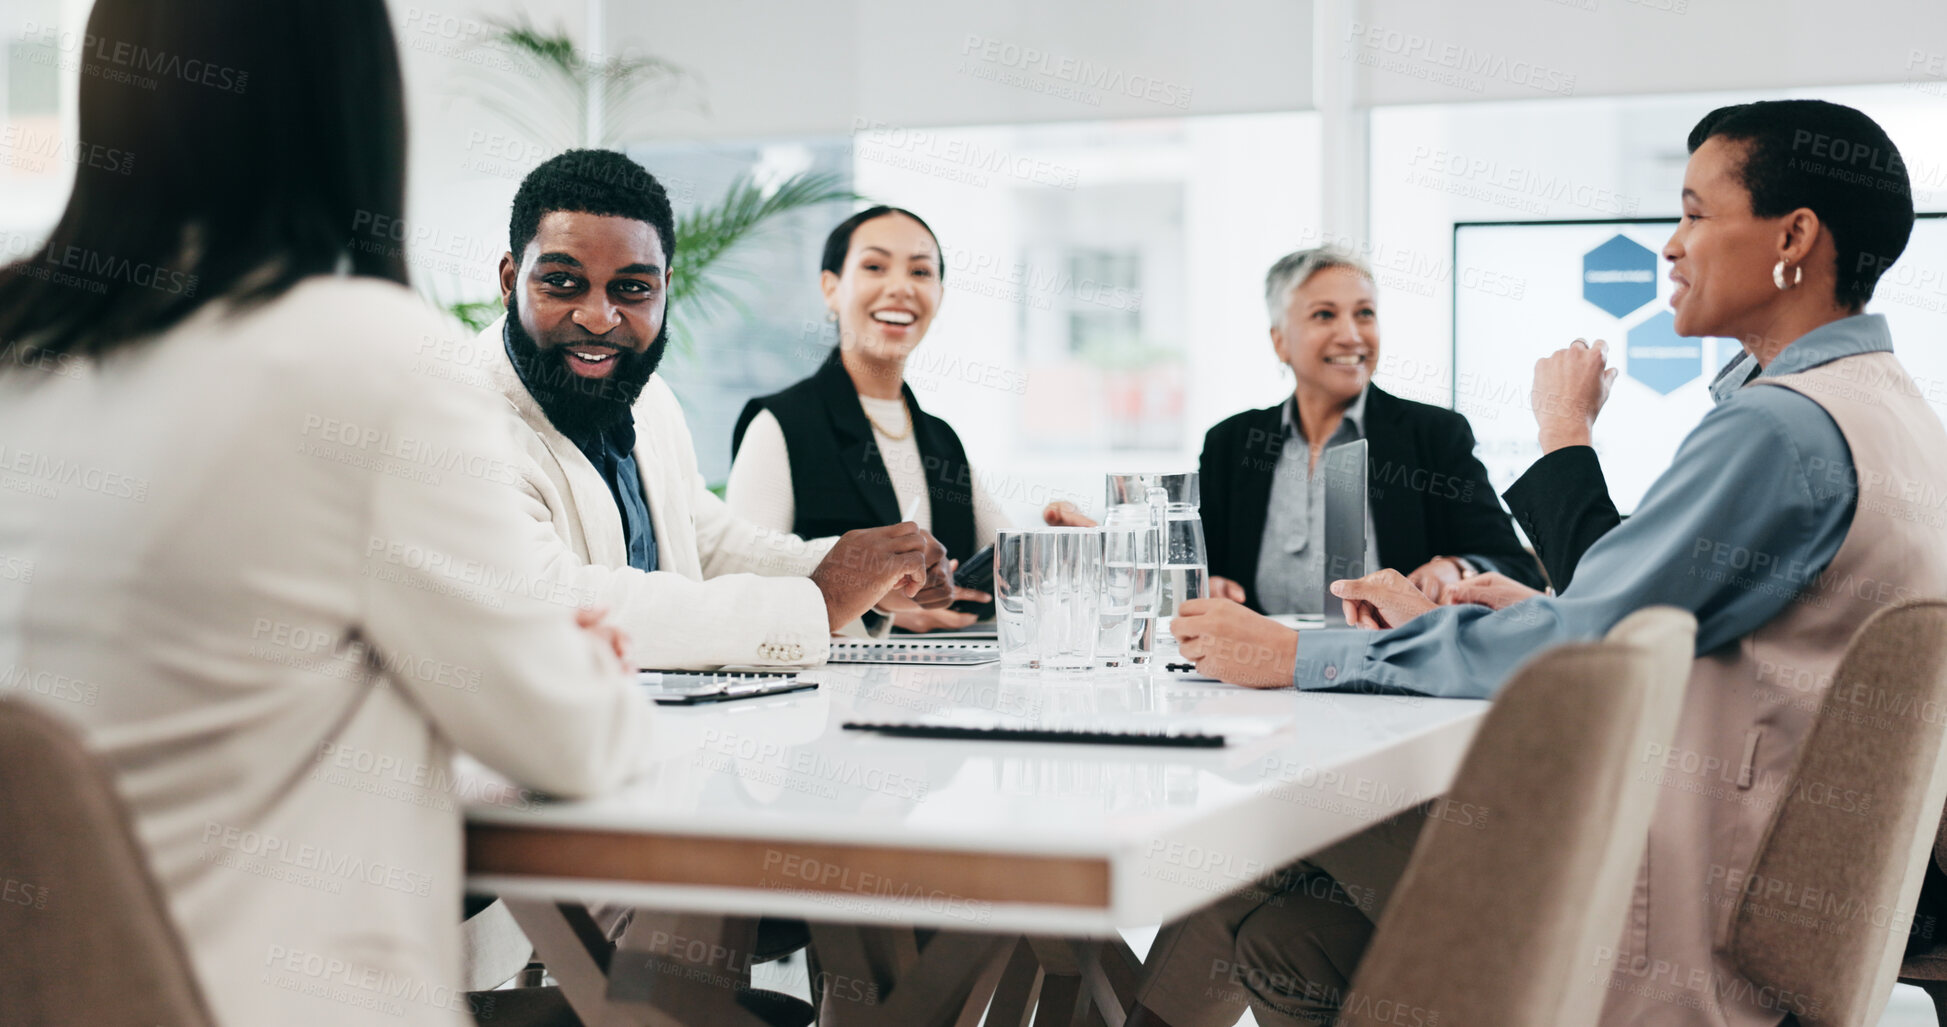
(88, 938)
(1509, 910)
(1830, 897)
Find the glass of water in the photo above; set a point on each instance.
(1011, 599)
(1064, 573)
(1131, 586)
(1185, 558)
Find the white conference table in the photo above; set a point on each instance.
(1024, 856)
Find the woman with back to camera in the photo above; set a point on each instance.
(249, 593)
(1431, 513)
(849, 447)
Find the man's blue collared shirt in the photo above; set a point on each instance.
(1753, 508)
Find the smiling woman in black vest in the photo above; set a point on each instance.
(849, 447)
(1431, 513)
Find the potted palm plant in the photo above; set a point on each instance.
(561, 98)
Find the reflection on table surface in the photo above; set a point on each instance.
(784, 768)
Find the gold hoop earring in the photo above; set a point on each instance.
(1778, 275)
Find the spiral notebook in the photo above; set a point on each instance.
(930, 653)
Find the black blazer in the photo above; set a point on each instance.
(839, 480)
(1562, 502)
(1430, 496)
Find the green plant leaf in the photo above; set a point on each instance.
(549, 106)
(706, 235)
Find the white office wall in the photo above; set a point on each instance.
(779, 67)
(1443, 51)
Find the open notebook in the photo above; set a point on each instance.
(914, 650)
(1164, 729)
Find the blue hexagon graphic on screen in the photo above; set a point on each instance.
(1660, 358)
(1619, 276)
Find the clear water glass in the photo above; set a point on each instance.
(1011, 599)
(1131, 586)
(1064, 572)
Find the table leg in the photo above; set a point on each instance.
(1113, 977)
(1019, 990)
(651, 979)
(872, 978)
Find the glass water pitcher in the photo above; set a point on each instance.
(1168, 504)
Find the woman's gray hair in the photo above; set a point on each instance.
(1295, 269)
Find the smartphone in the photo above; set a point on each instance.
(976, 572)
(692, 688)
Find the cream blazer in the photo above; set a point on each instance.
(268, 566)
(725, 590)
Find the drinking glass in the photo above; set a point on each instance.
(1011, 599)
(1064, 572)
(1185, 564)
(1131, 585)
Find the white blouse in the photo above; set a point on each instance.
(760, 478)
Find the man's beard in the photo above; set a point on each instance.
(580, 407)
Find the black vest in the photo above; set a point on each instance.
(839, 480)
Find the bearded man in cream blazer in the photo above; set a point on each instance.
(622, 517)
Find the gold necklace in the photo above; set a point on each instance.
(890, 437)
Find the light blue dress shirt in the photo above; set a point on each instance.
(1753, 508)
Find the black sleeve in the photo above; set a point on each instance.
(1563, 504)
(1473, 522)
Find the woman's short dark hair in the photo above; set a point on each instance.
(839, 243)
(228, 149)
(1833, 160)
(591, 182)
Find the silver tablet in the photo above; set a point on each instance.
(1344, 468)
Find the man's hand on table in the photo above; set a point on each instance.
(1384, 599)
(1494, 590)
(1230, 643)
(910, 616)
(1571, 385)
(868, 564)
